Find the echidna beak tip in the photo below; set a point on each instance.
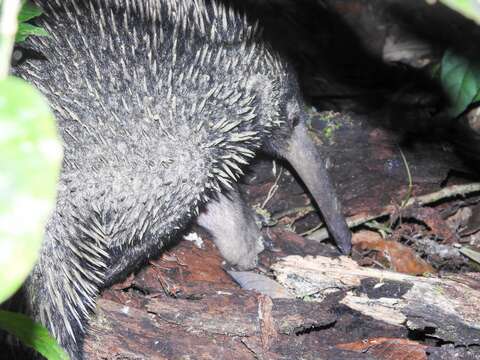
(345, 246)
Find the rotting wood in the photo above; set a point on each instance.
(446, 309)
(223, 321)
(240, 325)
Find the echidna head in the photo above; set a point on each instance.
(288, 138)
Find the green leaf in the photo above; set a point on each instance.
(469, 8)
(30, 158)
(461, 80)
(25, 30)
(29, 12)
(31, 334)
(477, 97)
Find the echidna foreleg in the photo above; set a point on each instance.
(233, 228)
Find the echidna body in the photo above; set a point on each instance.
(160, 104)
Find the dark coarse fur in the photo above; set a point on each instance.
(160, 103)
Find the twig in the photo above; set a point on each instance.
(272, 190)
(471, 254)
(448, 192)
(382, 229)
(410, 182)
(305, 210)
(8, 29)
(312, 230)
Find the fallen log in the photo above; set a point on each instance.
(236, 325)
(446, 308)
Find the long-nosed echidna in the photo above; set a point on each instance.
(160, 104)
